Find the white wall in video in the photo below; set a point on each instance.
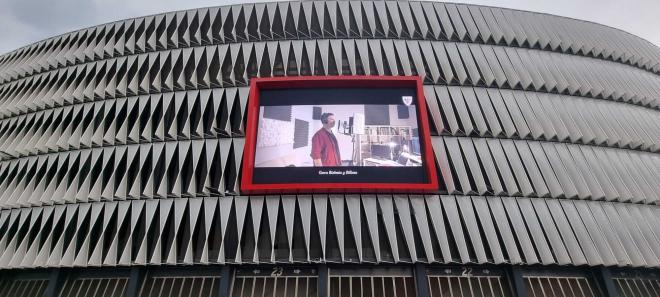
(337, 135)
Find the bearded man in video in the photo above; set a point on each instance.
(325, 148)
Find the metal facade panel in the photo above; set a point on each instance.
(456, 156)
(586, 242)
(488, 166)
(618, 226)
(475, 111)
(534, 227)
(473, 164)
(486, 219)
(419, 213)
(387, 207)
(568, 188)
(447, 109)
(566, 232)
(551, 232)
(517, 167)
(501, 110)
(371, 212)
(522, 130)
(482, 63)
(503, 167)
(451, 210)
(443, 162)
(595, 233)
(439, 227)
(611, 236)
(434, 109)
(494, 126)
(640, 240)
(532, 168)
(469, 217)
(403, 209)
(520, 230)
(135, 129)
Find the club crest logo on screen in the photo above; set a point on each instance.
(407, 100)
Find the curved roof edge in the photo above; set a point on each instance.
(255, 2)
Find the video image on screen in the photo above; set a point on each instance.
(338, 135)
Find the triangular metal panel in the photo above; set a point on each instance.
(225, 205)
(210, 207)
(241, 205)
(532, 220)
(256, 207)
(419, 213)
(403, 209)
(321, 211)
(305, 207)
(354, 214)
(337, 208)
(562, 223)
(387, 209)
(273, 206)
(370, 206)
(453, 216)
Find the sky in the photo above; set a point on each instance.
(23, 22)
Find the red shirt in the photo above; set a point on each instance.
(326, 148)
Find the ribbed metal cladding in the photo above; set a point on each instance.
(121, 144)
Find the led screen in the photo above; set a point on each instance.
(338, 135)
(345, 134)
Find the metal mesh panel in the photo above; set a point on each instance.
(180, 286)
(22, 287)
(560, 286)
(94, 287)
(637, 283)
(467, 282)
(371, 282)
(290, 282)
(637, 287)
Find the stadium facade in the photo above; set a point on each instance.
(121, 147)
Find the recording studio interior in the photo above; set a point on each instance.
(367, 135)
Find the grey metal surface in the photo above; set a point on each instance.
(546, 130)
(176, 231)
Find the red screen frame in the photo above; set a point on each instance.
(258, 84)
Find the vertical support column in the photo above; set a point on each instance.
(517, 281)
(322, 285)
(603, 276)
(421, 280)
(226, 277)
(135, 281)
(55, 282)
